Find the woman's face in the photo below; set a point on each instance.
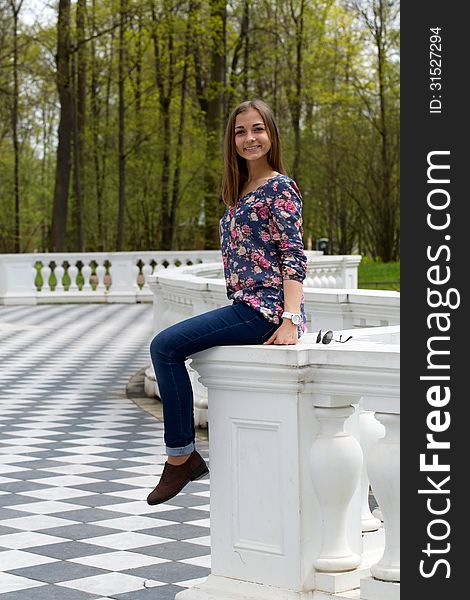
(251, 138)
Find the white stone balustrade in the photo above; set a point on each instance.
(188, 291)
(123, 276)
(332, 271)
(88, 277)
(345, 309)
(286, 469)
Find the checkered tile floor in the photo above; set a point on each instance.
(77, 460)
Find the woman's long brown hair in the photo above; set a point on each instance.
(235, 168)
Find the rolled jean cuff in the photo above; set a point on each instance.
(180, 451)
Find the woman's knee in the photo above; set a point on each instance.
(159, 346)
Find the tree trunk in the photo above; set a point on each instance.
(246, 47)
(77, 188)
(14, 118)
(214, 114)
(62, 179)
(79, 107)
(388, 230)
(100, 129)
(165, 88)
(276, 60)
(95, 118)
(121, 133)
(233, 79)
(296, 97)
(179, 144)
(142, 233)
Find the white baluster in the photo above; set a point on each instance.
(201, 401)
(316, 280)
(86, 273)
(335, 468)
(34, 273)
(45, 273)
(72, 273)
(146, 271)
(378, 514)
(384, 473)
(100, 273)
(59, 274)
(332, 282)
(324, 279)
(136, 272)
(308, 281)
(108, 278)
(370, 431)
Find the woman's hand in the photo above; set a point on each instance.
(285, 334)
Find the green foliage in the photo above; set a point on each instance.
(379, 275)
(320, 64)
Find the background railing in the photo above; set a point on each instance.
(88, 277)
(122, 276)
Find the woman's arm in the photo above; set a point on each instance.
(293, 290)
(287, 332)
(286, 230)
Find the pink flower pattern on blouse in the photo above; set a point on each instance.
(261, 243)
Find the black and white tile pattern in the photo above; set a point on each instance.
(77, 460)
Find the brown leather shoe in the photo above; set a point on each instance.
(175, 477)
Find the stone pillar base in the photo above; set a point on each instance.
(150, 383)
(334, 583)
(373, 589)
(224, 588)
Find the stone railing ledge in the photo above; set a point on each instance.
(179, 280)
(362, 366)
(380, 297)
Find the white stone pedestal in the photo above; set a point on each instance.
(284, 527)
(286, 467)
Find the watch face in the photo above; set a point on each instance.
(296, 319)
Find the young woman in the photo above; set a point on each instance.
(264, 265)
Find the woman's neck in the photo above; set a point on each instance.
(258, 172)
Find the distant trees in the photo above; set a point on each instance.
(111, 120)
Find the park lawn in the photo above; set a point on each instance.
(379, 275)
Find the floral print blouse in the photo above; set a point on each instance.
(261, 242)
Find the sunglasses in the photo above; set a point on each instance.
(328, 337)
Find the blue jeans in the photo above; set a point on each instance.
(226, 326)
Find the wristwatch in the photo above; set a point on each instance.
(294, 317)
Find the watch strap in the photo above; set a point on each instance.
(289, 315)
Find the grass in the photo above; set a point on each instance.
(378, 275)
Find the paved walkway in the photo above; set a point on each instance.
(78, 458)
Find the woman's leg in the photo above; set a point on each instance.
(229, 325)
(236, 324)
